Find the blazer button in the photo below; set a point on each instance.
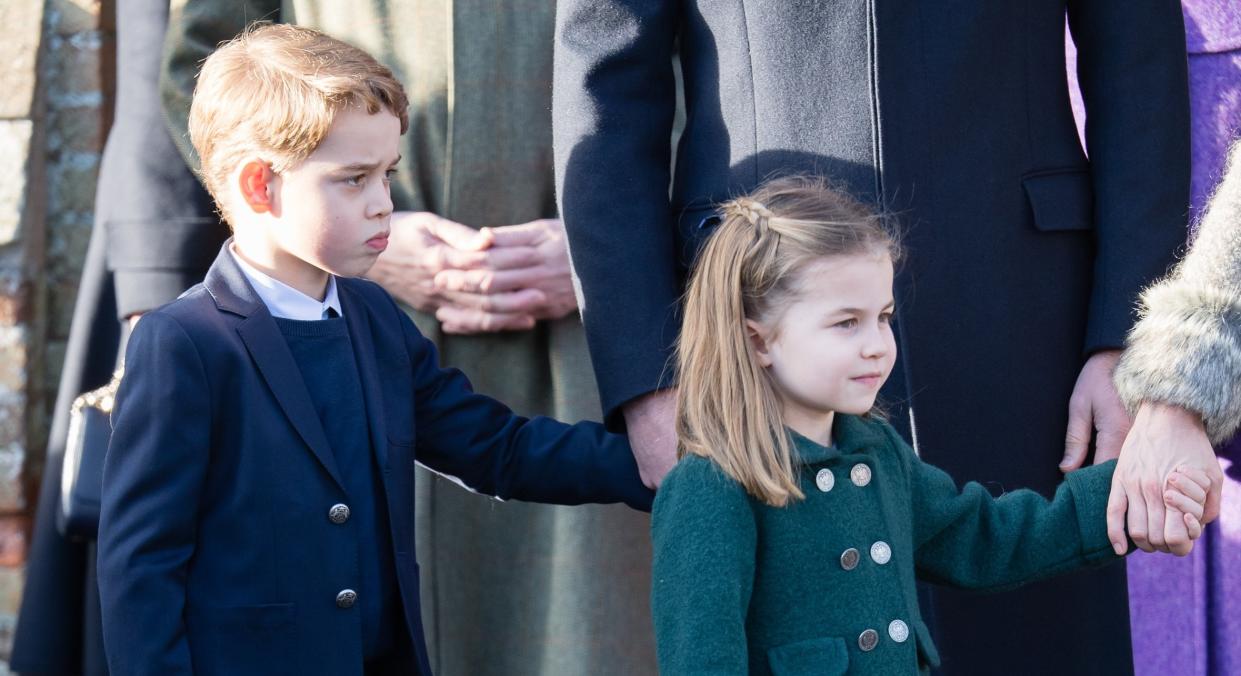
(868, 640)
(346, 598)
(338, 514)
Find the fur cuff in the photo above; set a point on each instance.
(1186, 351)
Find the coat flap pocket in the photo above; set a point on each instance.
(1061, 200)
(820, 656)
(927, 652)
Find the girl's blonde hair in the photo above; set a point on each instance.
(727, 409)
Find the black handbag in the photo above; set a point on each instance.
(81, 477)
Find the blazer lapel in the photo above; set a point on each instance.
(358, 321)
(227, 284)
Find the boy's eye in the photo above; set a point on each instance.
(356, 180)
(389, 174)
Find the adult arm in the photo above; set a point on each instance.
(612, 109)
(704, 540)
(153, 482)
(1181, 371)
(1134, 82)
(494, 451)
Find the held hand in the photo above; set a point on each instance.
(651, 420)
(422, 245)
(542, 288)
(1164, 438)
(1095, 406)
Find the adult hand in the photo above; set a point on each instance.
(1163, 438)
(423, 244)
(651, 420)
(543, 244)
(1095, 407)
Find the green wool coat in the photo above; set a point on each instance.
(826, 585)
(507, 588)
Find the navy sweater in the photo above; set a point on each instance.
(324, 355)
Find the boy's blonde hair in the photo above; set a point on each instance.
(274, 90)
(727, 407)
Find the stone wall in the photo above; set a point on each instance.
(55, 78)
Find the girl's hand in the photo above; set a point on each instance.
(1186, 492)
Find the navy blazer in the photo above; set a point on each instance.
(216, 553)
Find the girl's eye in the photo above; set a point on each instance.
(885, 318)
(846, 324)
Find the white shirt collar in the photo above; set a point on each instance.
(285, 301)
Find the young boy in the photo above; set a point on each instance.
(257, 512)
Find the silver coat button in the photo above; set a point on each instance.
(346, 598)
(849, 559)
(881, 552)
(898, 630)
(868, 640)
(860, 474)
(338, 514)
(825, 480)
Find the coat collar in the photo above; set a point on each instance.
(851, 434)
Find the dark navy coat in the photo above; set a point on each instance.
(1024, 254)
(216, 553)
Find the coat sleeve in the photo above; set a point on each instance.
(160, 225)
(613, 106)
(704, 539)
(968, 538)
(1135, 86)
(479, 441)
(152, 485)
(1186, 350)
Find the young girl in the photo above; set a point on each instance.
(788, 538)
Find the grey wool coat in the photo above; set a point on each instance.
(1186, 350)
(507, 588)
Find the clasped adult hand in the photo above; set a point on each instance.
(1164, 439)
(478, 281)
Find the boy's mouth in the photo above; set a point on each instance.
(378, 242)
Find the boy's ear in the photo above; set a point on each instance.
(758, 340)
(255, 183)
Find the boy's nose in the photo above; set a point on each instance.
(380, 204)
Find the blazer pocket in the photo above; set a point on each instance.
(819, 656)
(1061, 200)
(928, 654)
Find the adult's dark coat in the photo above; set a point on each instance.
(1024, 255)
(154, 235)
